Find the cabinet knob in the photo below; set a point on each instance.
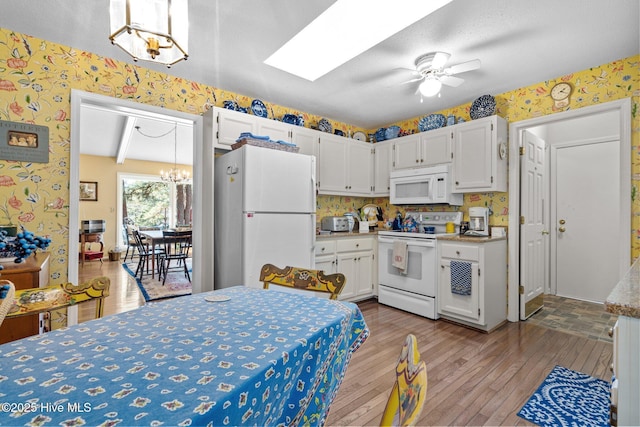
(417, 161)
(357, 245)
(458, 253)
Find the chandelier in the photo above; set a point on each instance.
(151, 30)
(174, 174)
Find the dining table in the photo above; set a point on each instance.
(154, 237)
(234, 356)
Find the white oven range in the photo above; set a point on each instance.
(415, 288)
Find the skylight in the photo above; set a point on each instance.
(344, 31)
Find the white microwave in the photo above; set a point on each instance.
(423, 186)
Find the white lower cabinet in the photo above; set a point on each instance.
(353, 256)
(625, 392)
(481, 300)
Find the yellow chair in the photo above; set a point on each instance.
(7, 292)
(303, 279)
(407, 397)
(37, 300)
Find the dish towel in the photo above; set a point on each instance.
(399, 255)
(461, 277)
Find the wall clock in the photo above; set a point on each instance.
(560, 94)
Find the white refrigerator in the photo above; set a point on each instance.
(265, 212)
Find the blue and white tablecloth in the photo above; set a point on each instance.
(264, 357)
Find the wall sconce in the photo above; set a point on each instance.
(151, 30)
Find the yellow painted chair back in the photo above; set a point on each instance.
(7, 293)
(408, 395)
(303, 279)
(37, 300)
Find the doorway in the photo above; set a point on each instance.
(202, 181)
(615, 115)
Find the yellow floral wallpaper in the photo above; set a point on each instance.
(36, 78)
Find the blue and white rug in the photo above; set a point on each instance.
(152, 289)
(569, 398)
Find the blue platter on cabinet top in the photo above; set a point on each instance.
(325, 126)
(381, 134)
(432, 121)
(258, 108)
(290, 119)
(230, 105)
(484, 106)
(392, 132)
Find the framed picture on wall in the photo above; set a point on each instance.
(88, 191)
(24, 142)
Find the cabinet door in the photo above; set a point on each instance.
(277, 131)
(360, 167)
(406, 152)
(472, 163)
(231, 124)
(306, 139)
(364, 266)
(381, 168)
(347, 265)
(326, 263)
(464, 307)
(436, 146)
(332, 165)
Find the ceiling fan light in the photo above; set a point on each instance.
(430, 87)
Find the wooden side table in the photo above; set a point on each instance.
(90, 238)
(32, 273)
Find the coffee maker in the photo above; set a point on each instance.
(478, 222)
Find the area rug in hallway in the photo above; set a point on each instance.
(568, 398)
(152, 289)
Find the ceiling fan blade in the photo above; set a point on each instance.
(463, 68)
(451, 81)
(439, 59)
(412, 80)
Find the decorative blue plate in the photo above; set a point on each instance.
(258, 108)
(380, 134)
(483, 107)
(432, 121)
(230, 105)
(325, 126)
(243, 110)
(392, 132)
(290, 119)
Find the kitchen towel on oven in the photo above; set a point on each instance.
(461, 277)
(399, 255)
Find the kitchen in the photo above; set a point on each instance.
(510, 104)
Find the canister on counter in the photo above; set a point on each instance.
(464, 227)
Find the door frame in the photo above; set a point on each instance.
(203, 160)
(623, 107)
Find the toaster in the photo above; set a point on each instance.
(334, 223)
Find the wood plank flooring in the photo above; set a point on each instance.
(474, 378)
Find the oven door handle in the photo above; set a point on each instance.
(427, 243)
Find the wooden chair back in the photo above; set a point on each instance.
(303, 279)
(408, 394)
(7, 293)
(37, 300)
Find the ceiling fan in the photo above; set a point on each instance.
(432, 72)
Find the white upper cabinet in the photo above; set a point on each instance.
(230, 125)
(382, 161)
(406, 152)
(345, 166)
(307, 139)
(480, 155)
(423, 149)
(436, 146)
(275, 130)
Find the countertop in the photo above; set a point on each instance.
(624, 300)
(471, 239)
(335, 234)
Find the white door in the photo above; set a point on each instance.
(587, 202)
(534, 229)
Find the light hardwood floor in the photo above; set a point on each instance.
(474, 378)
